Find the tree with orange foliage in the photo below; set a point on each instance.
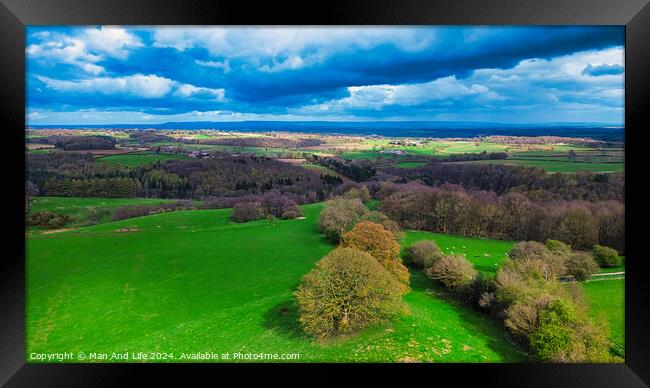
(380, 243)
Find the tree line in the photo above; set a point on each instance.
(359, 171)
(77, 143)
(513, 216)
(225, 176)
(531, 181)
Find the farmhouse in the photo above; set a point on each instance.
(394, 152)
(200, 155)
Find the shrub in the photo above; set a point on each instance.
(606, 257)
(563, 334)
(510, 285)
(479, 293)
(515, 284)
(548, 267)
(527, 249)
(423, 254)
(380, 218)
(380, 243)
(248, 211)
(347, 291)
(339, 216)
(294, 212)
(553, 334)
(521, 318)
(533, 259)
(277, 205)
(580, 265)
(56, 222)
(47, 219)
(557, 246)
(360, 192)
(131, 211)
(487, 301)
(453, 271)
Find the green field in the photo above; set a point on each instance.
(324, 170)
(372, 147)
(552, 166)
(41, 152)
(410, 164)
(139, 159)
(552, 158)
(607, 301)
(486, 255)
(619, 268)
(79, 208)
(258, 151)
(192, 281)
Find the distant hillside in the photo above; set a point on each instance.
(442, 129)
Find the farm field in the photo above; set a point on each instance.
(192, 281)
(139, 159)
(324, 170)
(552, 158)
(607, 300)
(552, 166)
(37, 146)
(410, 164)
(486, 255)
(257, 151)
(449, 147)
(79, 208)
(398, 152)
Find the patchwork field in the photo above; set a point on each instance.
(550, 157)
(139, 159)
(552, 166)
(193, 281)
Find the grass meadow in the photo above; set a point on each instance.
(192, 281)
(607, 302)
(79, 208)
(562, 166)
(139, 159)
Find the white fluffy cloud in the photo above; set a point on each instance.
(223, 65)
(183, 38)
(287, 48)
(560, 81)
(377, 97)
(137, 85)
(84, 49)
(112, 41)
(187, 90)
(146, 86)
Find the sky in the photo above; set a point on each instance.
(92, 75)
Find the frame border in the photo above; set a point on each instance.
(634, 14)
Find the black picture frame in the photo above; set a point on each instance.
(634, 14)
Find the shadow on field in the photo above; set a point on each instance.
(479, 321)
(283, 319)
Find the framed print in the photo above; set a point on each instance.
(429, 187)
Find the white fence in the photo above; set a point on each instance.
(596, 277)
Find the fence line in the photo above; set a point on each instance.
(595, 277)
